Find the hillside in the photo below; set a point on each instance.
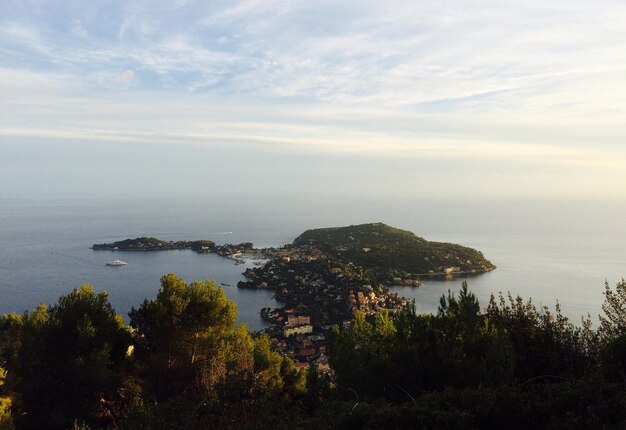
(387, 249)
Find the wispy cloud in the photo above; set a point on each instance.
(533, 82)
(25, 37)
(394, 53)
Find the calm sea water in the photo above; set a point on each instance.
(544, 250)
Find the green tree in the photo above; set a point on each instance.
(6, 422)
(398, 358)
(613, 332)
(197, 369)
(180, 331)
(315, 388)
(613, 322)
(70, 361)
(546, 343)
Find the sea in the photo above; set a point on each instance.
(546, 250)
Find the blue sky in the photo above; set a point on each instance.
(419, 99)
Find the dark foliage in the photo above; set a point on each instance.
(69, 361)
(511, 366)
(581, 405)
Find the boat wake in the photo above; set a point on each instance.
(77, 258)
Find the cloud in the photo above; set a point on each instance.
(25, 37)
(246, 10)
(197, 120)
(394, 54)
(126, 78)
(534, 83)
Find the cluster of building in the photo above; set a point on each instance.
(300, 341)
(369, 303)
(303, 338)
(291, 253)
(317, 294)
(414, 282)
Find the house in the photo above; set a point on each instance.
(316, 337)
(297, 320)
(307, 352)
(303, 329)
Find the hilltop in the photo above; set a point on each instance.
(392, 251)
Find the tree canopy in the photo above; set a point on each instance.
(183, 363)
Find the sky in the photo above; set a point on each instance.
(418, 99)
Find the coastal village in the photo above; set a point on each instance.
(327, 276)
(318, 294)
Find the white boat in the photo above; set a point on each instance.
(117, 263)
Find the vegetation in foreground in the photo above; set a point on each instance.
(182, 363)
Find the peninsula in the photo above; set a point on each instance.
(333, 272)
(328, 275)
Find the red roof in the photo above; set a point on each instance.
(307, 351)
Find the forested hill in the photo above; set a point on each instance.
(379, 246)
(154, 244)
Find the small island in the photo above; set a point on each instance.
(154, 244)
(230, 251)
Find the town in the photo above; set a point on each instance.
(318, 293)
